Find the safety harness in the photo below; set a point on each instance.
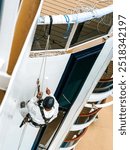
(28, 117)
(42, 112)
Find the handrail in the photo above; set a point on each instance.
(94, 97)
(90, 114)
(68, 148)
(100, 105)
(103, 80)
(78, 137)
(103, 89)
(77, 127)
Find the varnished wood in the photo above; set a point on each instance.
(2, 93)
(88, 44)
(26, 16)
(51, 7)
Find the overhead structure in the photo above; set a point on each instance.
(76, 18)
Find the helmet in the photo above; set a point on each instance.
(48, 102)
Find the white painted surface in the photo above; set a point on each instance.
(73, 18)
(7, 27)
(20, 88)
(1, 63)
(4, 80)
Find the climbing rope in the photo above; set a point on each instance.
(22, 136)
(41, 76)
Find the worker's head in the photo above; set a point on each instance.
(48, 103)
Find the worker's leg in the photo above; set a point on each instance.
(26, 119)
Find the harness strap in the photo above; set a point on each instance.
(31, 120)
(42, 113)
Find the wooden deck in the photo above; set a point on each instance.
(55, 7)
(99, 135)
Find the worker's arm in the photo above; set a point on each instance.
(39, 93)
(48, 91)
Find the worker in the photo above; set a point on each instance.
(41, 111)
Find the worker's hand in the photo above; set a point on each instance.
(39, 95)
(48, 91)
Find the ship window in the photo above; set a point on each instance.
(60, 33)
(58, 38)
(92, 29)
(75, 74)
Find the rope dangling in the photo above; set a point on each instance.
(43, 64)
(66, 34)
